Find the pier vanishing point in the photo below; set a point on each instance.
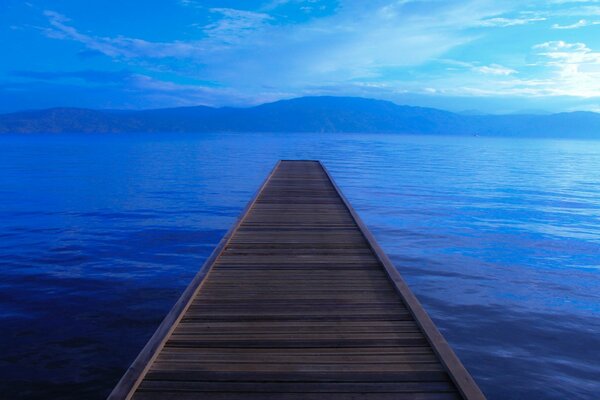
(298, 301)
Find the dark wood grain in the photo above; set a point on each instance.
(297, 303)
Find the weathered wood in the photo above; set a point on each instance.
(297, 302)
(287, 387)
(251, 395)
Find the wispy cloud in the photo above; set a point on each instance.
(495, 69)
(384, 48)
(574, 69)
(91, 76)
(191, 3)
(503, 22)
(579, 24)
(561, 70)
(491, 69)
(235, 24)
(156, 91)
(355, 42)
(119, 46)
(569, 53)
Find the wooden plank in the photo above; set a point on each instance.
(296, 303)
(311, 376)
(291, 368)
(165, 395)
(253, 358)
(298, 387)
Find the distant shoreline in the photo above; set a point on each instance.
(303, 115)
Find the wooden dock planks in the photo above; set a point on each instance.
(297, 302)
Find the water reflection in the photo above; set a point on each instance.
(500, 239)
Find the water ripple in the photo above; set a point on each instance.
(499, 239)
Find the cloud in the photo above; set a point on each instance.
(383, 47)
(495, 69)
(117, 47)
(492, 69)
(134, 91)
(235, 24)
(166, 93)
(91, 76)
(502, 22)
(304, 5)
(569, 53)
(357, 42)
(579, 24)
(576, 68)
(255, 52)
(560, 70)
(190, 3)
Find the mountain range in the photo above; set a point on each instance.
(304, 114)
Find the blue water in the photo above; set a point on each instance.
(499, 239)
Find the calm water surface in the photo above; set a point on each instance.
(499, 238)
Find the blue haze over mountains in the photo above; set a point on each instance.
(305, 114)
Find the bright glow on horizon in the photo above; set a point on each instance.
(458, 55)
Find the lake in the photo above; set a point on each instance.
(498, 238)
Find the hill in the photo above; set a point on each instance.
(305, 114)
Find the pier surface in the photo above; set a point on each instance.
(297, 302)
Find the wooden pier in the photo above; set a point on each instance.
(298, 301)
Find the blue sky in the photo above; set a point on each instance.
(490, 56)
